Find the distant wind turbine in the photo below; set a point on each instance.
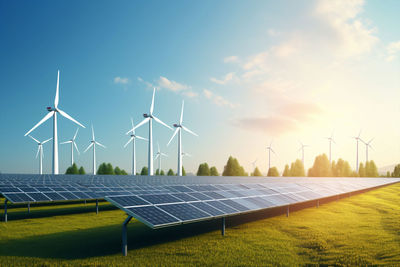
(367, 144)
(331, 140)
(159, 155)
(302, 151)
(53, 113)
(149, 118)
(133, 140)
(254, 164)
(357, 138)
(269, 148)
(73, 144)
(178, 130)
(93, 144)
(40, 152)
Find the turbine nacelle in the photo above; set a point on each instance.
(147, 115)
(50, 109)
(177, 125)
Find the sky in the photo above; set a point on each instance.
(250, 73)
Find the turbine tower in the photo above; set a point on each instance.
(367, 144)
(40, 152)
(302, 151)
(159, 154)
(53, 113)
(269, 148)
(93, 144)
(133, 140)
(357, 138)
(178, 130)
(149, 118)
(331, 140)
(73, 144)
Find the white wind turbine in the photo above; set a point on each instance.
(133, 140)
(302, 151)
(269, 148)
(149, 118)
(367, 144)
(159, 155)
(40, 152)
(73, 144)
(331, 140)
(93, 144)
(179, 128)
(53, 113)
(254, 164)
(357, 138)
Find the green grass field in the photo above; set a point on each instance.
(360, 230)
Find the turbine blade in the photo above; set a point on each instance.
(47, 141)
(66, 142)
(142, 138)
(181, 119)
(69, 117)
(130, 140)
(140, 124)
(97, 143)
(34, 139)
(133, 126)
(157, 156)
(163, 154)
(189, 131)
(152, 102)
(45, 118)
(91, 144)
(371, 140)
(56, 99)
(92, 133)
(77, 129)
(38, 149)
(76, 148)
(176, 131)
(159, 121)
(158, 146)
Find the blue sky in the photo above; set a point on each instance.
(250, 72)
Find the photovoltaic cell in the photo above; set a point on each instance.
(159, 199)
(153, 215)
(184, 211)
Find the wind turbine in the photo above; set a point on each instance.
(53, 113)
(73, 144)
(302, 151)
(367, 144)
(254, 164)
(331, 140)
(179, 128)
(159, 154)
(40, 152)
(357, 139)
(269, 148)
(93, 144)
(149, 118)
(133, 140)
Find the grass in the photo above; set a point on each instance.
(361, 230)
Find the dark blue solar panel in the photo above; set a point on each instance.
(181, 188)
(128, 201)
(68, 195)
(184, 211)
(152, 215)
(18, 197)
(214, 195)
(200, 196)
(222, 207)
(10, 190)
(184, 197)
(207, 208)
(38, 197)
(81, 195)
(159, 199)
(54, 196)
(260, 202)
(235, 205)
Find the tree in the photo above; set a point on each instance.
(233, 168)
(214, 171)
(123, 172)
(82, 170)
(388, 174)
(273, 171)
(162, 172)
(109, 169)
(203, 170)
(396, 171)
(341, 168)
(72, 170)
(102, 169)
(370, 169)
(297, 169)
(361, 170)
(286, 171)
(117, 171)
(321, 167)
(170, 172)
(256, 172)
(183, 171)
(158, 172)
(144, 171)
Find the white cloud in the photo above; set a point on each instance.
(228, 77)
(163, 82)
(218, 100)
(392, 50)
(190, 94)
(231, 59)
(120, 80)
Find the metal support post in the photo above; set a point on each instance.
(29, 207)
(125, 235)
(223, 226)
(5, 210)
(97, 206)
(287, 211)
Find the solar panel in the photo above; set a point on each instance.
(184, 212)
(153, 216)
